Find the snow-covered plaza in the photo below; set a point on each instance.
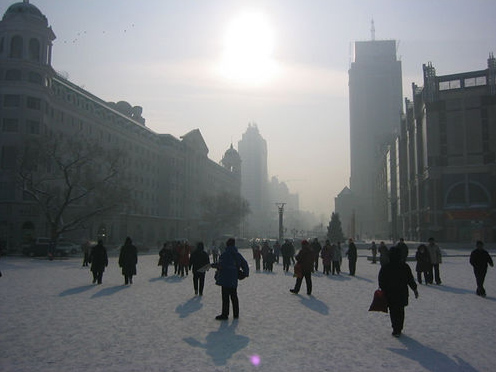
(54, 319)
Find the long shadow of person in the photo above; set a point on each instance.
(316, 305)
(109, 291)
(77, 290)
(430, 359)
(189, 307)
(222, 344)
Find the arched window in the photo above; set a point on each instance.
(16, 47)
(456, 196)
(477, 195)
(34, 50)
(471, 194)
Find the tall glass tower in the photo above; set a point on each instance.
(375, 89)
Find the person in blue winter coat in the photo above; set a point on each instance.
(227, 277)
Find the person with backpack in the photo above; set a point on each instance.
(228, 267)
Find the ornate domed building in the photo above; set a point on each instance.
(165, 175)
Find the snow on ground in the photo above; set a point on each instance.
(54, 319)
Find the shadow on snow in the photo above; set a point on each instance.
(221, 345)
(77, 290)
(189, 307)
(109, 291)
(430, 359)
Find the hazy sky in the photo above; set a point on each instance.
(193, 64)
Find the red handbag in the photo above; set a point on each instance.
(298, 272)
(379, 302)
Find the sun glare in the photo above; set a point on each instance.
(248, 48)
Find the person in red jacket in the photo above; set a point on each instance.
(305, 260)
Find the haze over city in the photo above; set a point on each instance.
(220, 65)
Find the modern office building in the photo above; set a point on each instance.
(375, 89)
(166, 175)
(254, 180)
(447, 157)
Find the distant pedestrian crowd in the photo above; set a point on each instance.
(395, 275)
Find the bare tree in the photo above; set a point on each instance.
(71, 180)
(223, 212)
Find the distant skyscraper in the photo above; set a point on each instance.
(254, 177)
(375, 89)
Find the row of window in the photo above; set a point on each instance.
(15, 74)
(467, 83)
(15, 48)
(13, 125)
(15, 101)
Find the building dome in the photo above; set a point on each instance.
(231, 160)
(24, 8)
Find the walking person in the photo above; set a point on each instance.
(198, 259)
(352, 256)
(423, 263)
(271, 258)
(336, 257)
(394, 279)
(436, 260)
(86, 253)
(373, 248)
(383, 254)
(166, 257)
(480, 259)
(305, 259)
(257, 256)
(403, 249)
(230, 261)
(287, 251)
(326, 254)
(99, 261)
(265, 251)
(316, 248)
(128, 258)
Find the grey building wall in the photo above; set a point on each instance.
(167, 175)
(375, 88)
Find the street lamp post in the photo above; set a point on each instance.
(280, 207)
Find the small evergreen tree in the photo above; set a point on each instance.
(334, 230)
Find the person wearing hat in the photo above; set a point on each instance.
(230, 262)
(305, 259)
(480, 259)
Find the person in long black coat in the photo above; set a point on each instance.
(305, 260)
(165, 258)
(423, 263)
(128, 258)
(352, 256)
(198, 259)
(394, 280)
(480, 259)
(99, 261)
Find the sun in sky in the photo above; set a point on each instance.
(248, 47)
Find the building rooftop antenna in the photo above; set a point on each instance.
(372, 31)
